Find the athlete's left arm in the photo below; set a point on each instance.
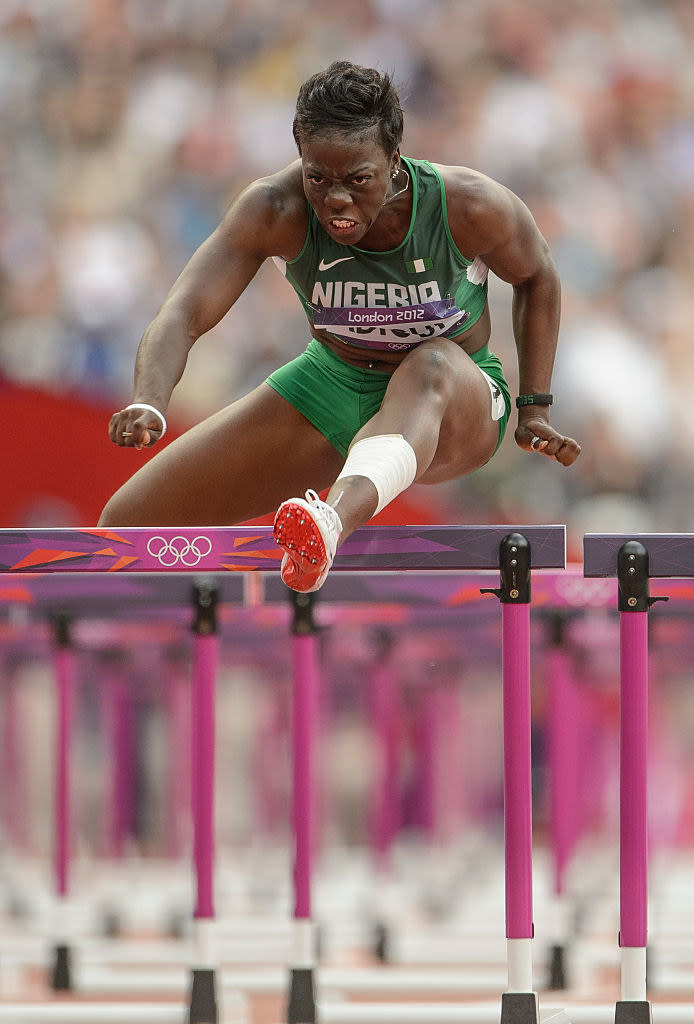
(490, 221)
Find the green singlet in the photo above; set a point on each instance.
(382, 301)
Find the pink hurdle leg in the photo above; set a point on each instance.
(384, 708)
(384, 819)
(634, 603)
(14, 800)
(519, 1002)
(121, 742)
(64, 656)
(517, 773)
(301, 1007)
(179, 768)
(563, 762)
(426, 765)
(117, 725)
(203, 999)
(203, 740)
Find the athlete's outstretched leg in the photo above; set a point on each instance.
(434, 424)
(235, 465)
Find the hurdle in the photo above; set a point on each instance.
(634, 560)
(212, 554)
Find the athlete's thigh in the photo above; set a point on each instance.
(468, 436)
(238, 464)
(441, 403)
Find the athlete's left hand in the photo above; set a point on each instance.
(536, 435)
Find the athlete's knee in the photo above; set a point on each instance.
(108, 515)
(118, 511)
(429, 371)
(387, 460)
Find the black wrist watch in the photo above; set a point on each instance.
(534, 400)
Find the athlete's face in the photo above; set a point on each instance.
(346, 181)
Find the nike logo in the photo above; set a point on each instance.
(333, 263)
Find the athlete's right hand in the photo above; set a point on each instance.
(135, 428)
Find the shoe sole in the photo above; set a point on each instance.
(296, 532)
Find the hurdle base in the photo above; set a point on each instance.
(61, 978)
(203, 997)
(519, 1008)
(633, 1012)
(301, 1008)
(557, 968)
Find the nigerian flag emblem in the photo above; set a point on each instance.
(419, 266)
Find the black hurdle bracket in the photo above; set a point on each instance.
(303, 607)
(514, 569)
(633, 576)
(62, 629)
(205, 597)
(514, 565)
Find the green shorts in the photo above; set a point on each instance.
(338, 398)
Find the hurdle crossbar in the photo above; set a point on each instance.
(249, 549)
(670, 555)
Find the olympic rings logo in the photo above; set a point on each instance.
(174, 550)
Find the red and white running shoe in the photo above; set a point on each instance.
(308, 530)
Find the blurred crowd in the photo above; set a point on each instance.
(127, 126)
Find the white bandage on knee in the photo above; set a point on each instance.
(387, 460)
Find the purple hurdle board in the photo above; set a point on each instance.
(634, 560)
(249, 548)
(212, 553)
(670, 555)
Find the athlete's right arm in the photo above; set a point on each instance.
(268, 218)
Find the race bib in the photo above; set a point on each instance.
(392, 328)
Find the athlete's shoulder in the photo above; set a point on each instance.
(480, 209)
(472, 187)
(275, 207)
(279, 194)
